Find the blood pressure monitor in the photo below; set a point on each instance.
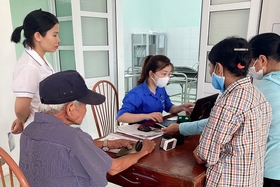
(168, 144)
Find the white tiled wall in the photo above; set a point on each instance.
(182, 48)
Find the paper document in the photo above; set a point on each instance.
(133, 131)
(11, 141)
(174, 118)
(113, 136)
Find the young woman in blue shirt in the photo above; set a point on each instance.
(265, 67)
(149, 98)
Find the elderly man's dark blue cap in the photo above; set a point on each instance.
(67, 86)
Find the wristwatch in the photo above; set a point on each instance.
(105, 146)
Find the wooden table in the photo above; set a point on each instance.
(176, 167)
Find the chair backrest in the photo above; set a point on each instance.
(13, 169)
(105, 113)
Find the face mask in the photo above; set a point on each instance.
(161, 82)
(256, 75)
(218, 82)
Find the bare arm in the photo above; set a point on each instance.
(124, 162)
(171, 129)
(188, 107)
(22, 108)
(132, 118)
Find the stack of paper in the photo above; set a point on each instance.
(133, 131)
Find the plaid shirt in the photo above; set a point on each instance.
(233, 142)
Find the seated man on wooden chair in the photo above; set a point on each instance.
(52, 153)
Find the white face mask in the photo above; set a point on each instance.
(256, 75)
(161, 82)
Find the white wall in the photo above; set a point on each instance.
(269, 15)
(7, 63)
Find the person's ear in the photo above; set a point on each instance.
(263, 60)
(37, 36)
(151, 74)
(219, 69)
(69, 108)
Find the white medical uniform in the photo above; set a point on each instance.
(29, 71)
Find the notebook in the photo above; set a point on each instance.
(201, 109)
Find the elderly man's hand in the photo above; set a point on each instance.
(148, 146)
(116, 144)
(171, 129)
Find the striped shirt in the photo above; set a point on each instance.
(233, 142)
(53, 154)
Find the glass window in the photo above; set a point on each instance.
(67, 60)
(94, 34)
(228, 23)
(94, 5)
(94, 31)
(218, 2)
(208, 77)
(63, 8)
(66, 33)
(96, 64)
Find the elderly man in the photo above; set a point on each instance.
(52, 153)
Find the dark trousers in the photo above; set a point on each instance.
(271, 183)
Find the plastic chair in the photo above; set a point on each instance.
(5, 158)
(105, 113)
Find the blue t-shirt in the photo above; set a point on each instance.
(140, 100)
(270, 86)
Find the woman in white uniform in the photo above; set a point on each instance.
(41, 35)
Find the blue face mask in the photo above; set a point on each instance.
(218, 82)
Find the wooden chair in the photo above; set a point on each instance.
(13, 169)
(105, 113)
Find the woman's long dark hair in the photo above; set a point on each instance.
(154, 64)
(267, 44)
(36, 21)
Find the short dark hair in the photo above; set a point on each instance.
(234, 54)
(267, 44)
(36, 21)
(153, 63)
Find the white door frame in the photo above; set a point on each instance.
(203, 88)
(78, 46)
